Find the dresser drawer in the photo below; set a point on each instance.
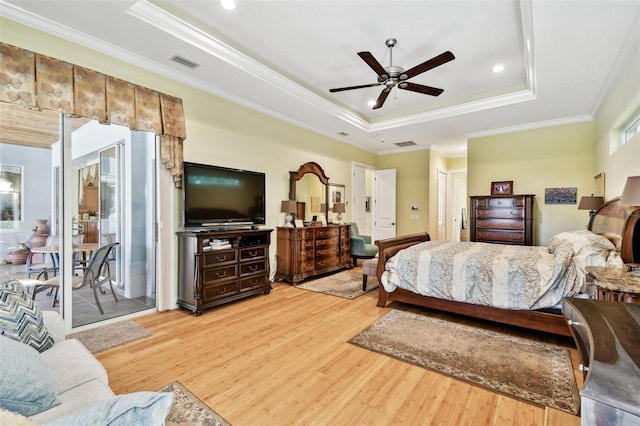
(327, 252)
(252, 267)
(257, 252)
(327, 262)
(500, 224)
(506, 213)
(507, 237)
(307, 265)
(307, 234)
(327, 233)
(212, 292)
(219, 257)
(253, 282)
(327, 243)
(213, 275)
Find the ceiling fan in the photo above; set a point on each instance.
(394, 75)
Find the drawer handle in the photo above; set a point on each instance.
(253, 268)
(221, 258)
(572, 322)
(583, 367)
(219, 275)
(499, 203)
(321, 263)
(220, 290)
(253, 253)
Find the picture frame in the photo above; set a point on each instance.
(336, 194)
(503, 187)
(567, 195)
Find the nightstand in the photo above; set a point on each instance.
(616, 285)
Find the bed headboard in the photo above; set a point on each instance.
(621, 225)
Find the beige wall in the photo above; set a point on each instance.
(412, 188)
(552, 157)
(622, 100)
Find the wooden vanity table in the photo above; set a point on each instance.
(310, 251)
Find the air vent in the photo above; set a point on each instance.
(184, 61)
(407, 143)
(343, 133)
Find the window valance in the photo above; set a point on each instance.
(41, 82)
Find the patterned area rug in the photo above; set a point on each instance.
(533, 372)
(108, 336)
(347, 284)
(187, 409)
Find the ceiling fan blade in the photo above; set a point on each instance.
(341, 89)
(373, 63)
(383, 97)
(443, 58)
(427, 90)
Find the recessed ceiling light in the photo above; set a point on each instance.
(228, 4)
(498, 68)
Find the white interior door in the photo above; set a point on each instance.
(384, 204)
(442, 206)
(458, 196)
(359, 194)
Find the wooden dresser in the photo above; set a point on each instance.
(313, 250)
(219, 267)
(607, 335)
(502, 219)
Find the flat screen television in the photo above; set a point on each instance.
(216, 196)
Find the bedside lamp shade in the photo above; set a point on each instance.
(288, 207)
(631, 192)
(590, 203)
(339, 208)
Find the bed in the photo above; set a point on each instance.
(401, 270)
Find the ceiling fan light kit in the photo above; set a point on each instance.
(394, 75)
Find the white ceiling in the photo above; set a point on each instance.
(282, 57)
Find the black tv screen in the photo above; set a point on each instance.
(214, 195)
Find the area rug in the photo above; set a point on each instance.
(534, 372)
(187, 409)
(347, 284)
(108, 336)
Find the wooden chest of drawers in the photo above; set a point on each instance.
(310, 251)
(209, 277)
(502, 219)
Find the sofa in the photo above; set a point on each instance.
(47, 379)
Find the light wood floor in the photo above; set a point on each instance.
(283, 359)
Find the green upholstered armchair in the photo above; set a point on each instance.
(361, 247)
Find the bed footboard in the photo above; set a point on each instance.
(388, 248)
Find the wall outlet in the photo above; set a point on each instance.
(415, 217)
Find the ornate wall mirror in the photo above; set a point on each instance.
(309, 186)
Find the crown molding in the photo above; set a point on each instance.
(532, 126)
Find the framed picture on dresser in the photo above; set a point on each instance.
(504, 187)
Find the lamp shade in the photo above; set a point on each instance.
(631, 192)
(289, 206)
(590, 203)
(339, 208)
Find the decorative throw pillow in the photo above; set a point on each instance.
(26, 387)
(138, 408)
(21, 317)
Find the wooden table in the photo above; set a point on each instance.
(616, 285)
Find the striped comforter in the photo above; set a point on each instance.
(502, 276)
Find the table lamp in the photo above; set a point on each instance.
(339, 208)
(288, 207)
(631, 192)
(591, 203)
